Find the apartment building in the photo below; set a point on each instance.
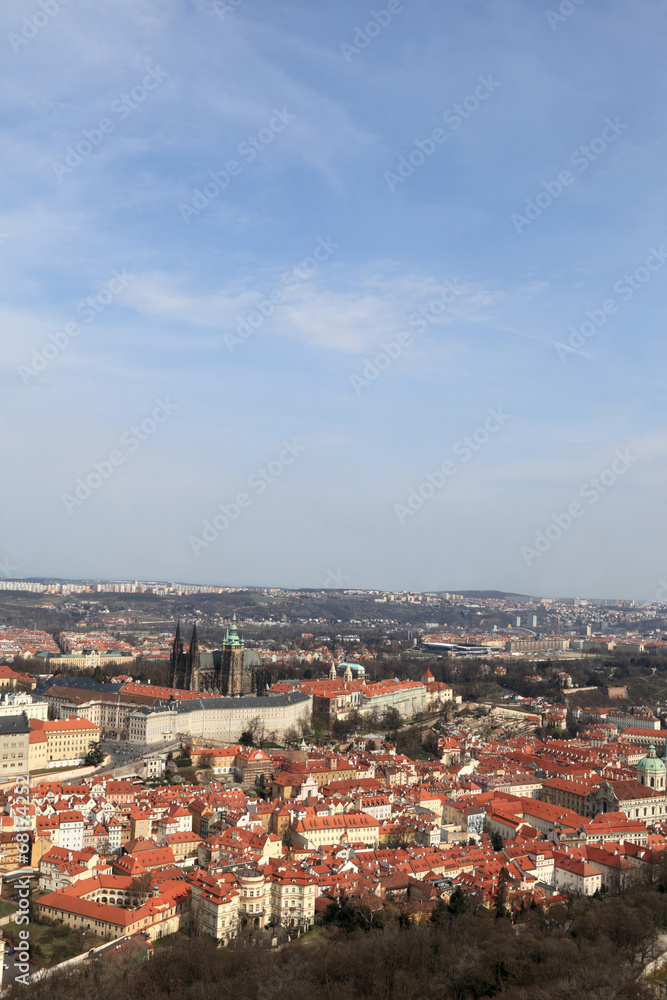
(535, 645)
(10, 856)
(214, 906)
(570, 793)
(407, 697)
(616, 872)
(244, 763)
(643, 719)
(59, 867)
(70, 829)
(10, 680)
(38, 751)
(67, 740)
(316, 831)
(254, 898)
(572, 875)
(15, 702)
(377, 806)
(14, 745)
(291, 899)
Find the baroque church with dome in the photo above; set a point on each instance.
(643, 797)
(652, 771)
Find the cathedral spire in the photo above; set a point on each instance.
(176, 658)
(232, 633)
(193, 664)
(194, 643)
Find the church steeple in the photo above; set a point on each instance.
(192, 670)
(176, 660)
(236, 680)
(194, 643)
(232, 636)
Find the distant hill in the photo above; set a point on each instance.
(498, 594)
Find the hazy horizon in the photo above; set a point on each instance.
(277, 586)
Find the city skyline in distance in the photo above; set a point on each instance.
(453, 593)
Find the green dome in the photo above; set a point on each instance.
(651, 762)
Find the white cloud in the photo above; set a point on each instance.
(335, 310)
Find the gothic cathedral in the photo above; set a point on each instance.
(222, 671)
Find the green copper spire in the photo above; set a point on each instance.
(232, 634)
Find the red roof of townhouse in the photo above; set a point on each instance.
(342, 821)
(7, 674)
(70, 816)
(581, 868)
(185, 837)
(56, 855)
(161, 855)
(63, 725)
(608, 859)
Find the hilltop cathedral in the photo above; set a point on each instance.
(230, 671)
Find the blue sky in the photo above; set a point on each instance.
(447, 189)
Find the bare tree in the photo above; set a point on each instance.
(304, 724)
(257, 729)
(401, 835)
(142, 885)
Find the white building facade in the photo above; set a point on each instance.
(224, 719)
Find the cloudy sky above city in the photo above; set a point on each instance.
(320, 293)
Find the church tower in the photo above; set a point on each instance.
(177, 663)
(193, 679)
(224, 672)
(233, 667)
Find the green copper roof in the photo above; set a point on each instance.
(232, 637)
(651, 762)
